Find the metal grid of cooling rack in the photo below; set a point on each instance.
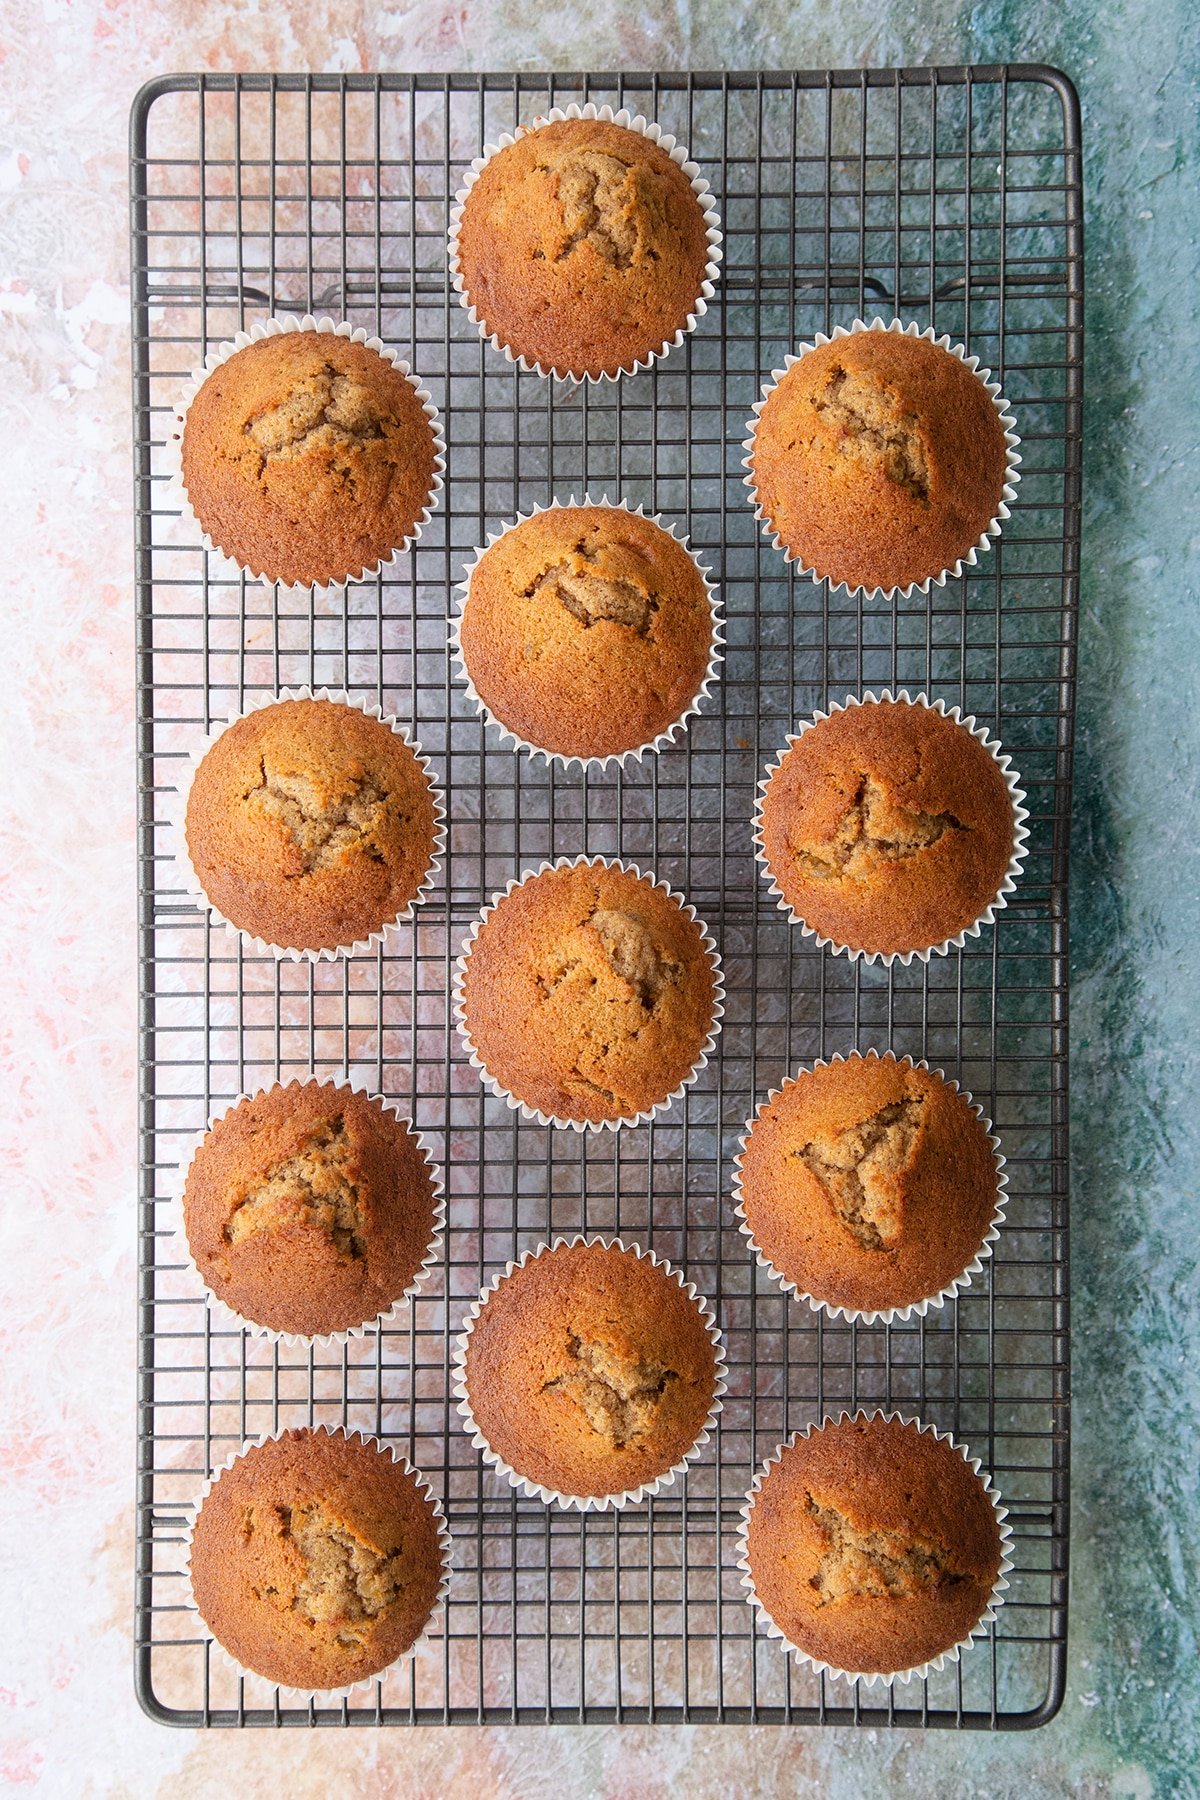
(951, 196)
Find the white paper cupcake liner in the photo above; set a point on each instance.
(325, 1697)
(620, 758)
(277, 326)
(1011, 477)
(176, 823)
(921, 1670)
(532, 1113)
(678, 155)
(1020, 830)
(534, 1490)
(224, 1317)
(892, 1315)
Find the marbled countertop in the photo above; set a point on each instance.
(69, 1723)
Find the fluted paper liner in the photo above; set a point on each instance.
(1012, 474)
(534, 1490)
(277, 326)
(891, 1315)
(669, 732)
(176, 821)
(502, 1093)
(1020, 830)
(665, 142)
(869, 1678)
(325, 1697)
(225, 1317)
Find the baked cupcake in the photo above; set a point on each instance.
(584, 247)
(309, 456)
(587, 631)
(589, 994)
(310, 1209)
(869, 1185)
(317, 1559)
(589, 1373)
(311, 825)
(881, 459)
(873, 1547)
(890, 828)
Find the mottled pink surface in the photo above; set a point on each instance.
(69, 1723)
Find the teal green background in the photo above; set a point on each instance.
(1130, 1724)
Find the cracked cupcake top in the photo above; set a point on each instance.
(590, 1371)
(588, 993)
(879, 459)
(309, 1209)
(307, 457)
(868, 1183)
(888, 827)
(310, 825)
(316, 1560)
(587, 630)
(583, 247)
(873, 1546)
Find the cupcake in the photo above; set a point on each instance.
(311, 825)
(589, 1373)
(881, 460)
(869, 1186)
(873, 1547)
(310, 1209)
(589, 994)
(317, 1559)
(309, 456)
(584, 246)
(891, 827)
(587, 631)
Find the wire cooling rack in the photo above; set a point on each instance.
(951, 196)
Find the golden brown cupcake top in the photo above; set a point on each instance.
(869, 1183)
(888, 827)
(879, 459)
(588, 993)
(315, 1560)
(307, 457)
(873, 1546)
(590, 1371)
(309, 1209)
(583, 247)
(587, 630)
(310, 825)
